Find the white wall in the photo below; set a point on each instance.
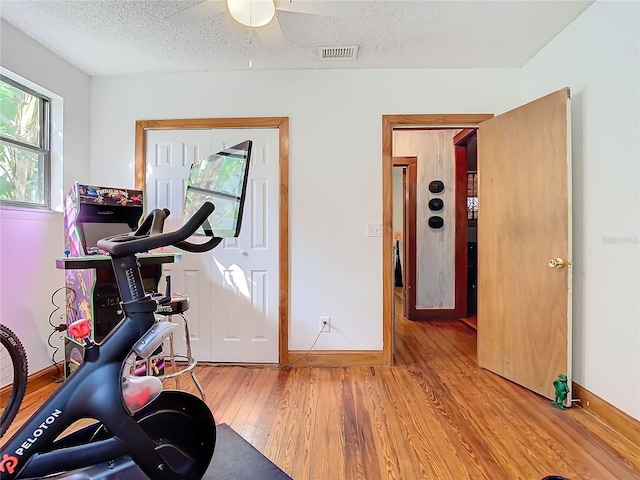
(335, 165)
(29, 241)
(597, 56)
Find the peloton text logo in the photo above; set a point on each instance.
(38, 432)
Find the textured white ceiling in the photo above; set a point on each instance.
(115, 37)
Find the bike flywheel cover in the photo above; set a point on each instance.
(185, 430)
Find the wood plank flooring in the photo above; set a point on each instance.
(435, 415)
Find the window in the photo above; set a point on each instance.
(472, 196)
(25, 156)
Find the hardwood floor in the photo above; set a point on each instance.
(435, 415)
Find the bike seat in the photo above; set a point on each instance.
(178, 304)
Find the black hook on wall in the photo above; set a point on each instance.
(436, 186)
(436, 204)
(436, 222)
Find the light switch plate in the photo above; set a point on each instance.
(373, 229)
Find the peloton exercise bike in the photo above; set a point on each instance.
(141, 432)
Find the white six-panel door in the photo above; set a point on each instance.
(234, 288)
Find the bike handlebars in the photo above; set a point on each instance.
(149, 235)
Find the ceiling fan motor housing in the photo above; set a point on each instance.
(252, 13)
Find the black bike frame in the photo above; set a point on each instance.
(93, 391)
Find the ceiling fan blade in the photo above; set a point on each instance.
(331, 8)
(271, 36)
(198, 12)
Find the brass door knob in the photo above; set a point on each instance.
(556, 263)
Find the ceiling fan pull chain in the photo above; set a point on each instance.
(250, 48)
(251, 35)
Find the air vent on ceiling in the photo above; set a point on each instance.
(338, 53)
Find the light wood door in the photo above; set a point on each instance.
(524, 221)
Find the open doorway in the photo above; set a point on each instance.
(456, 261)
(435, 263)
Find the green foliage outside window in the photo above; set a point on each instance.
(24, 155)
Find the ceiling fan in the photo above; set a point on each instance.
(261, 14)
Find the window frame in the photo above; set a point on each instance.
(44, 147)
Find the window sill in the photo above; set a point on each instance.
(12, 212)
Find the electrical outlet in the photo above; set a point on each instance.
(325, 324)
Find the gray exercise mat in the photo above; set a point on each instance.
(236, 459)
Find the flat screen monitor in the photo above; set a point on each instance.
(94, 231)
(220, 178)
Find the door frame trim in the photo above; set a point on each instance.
(460, 142)
(409, 201)
(389, 122)
(282, 124)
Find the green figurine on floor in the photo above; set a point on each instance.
(562, 390)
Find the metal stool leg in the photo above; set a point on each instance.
(190, 360)
(172, 356)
